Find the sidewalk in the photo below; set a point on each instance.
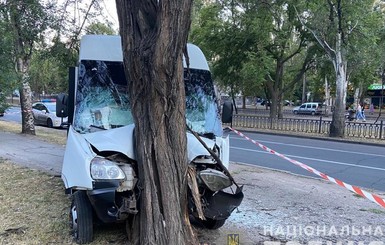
(31, 152)
(278, 206)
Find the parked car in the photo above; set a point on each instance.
(265, 102)
(3, 104)
(288, 103)
(44, 113)
(312, 108)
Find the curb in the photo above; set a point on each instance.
(326, 138)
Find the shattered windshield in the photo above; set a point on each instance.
(202, 113)
(101, 97)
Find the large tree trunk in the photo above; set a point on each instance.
(275, 89)
(154, 34)
(27, 120)
(337, 126)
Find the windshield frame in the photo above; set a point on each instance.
(101, 100)
(202, 104)
(102, 95)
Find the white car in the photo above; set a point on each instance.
(44, 113)
(313, 108)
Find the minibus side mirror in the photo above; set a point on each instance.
(227, 112)
(61, 105)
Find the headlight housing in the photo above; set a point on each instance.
(215, 180)
(103, 169)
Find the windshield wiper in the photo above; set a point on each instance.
(98, 127)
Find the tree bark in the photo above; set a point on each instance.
(27, 120)
(154, 34)
(337, 126)
(327, 96)
(275, 88)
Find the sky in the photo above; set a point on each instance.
(110, 7)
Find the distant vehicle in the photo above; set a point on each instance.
(3, 104)
(16, 93)
(44, 113)
(265, 102)
(288, 103)
(312, 108)
(258, 101)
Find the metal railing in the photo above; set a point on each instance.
(314, 126)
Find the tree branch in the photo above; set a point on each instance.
(330, 51)
(295, 52)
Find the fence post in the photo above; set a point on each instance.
(320, 124)
(381, 125)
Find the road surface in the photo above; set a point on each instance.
(356, 164)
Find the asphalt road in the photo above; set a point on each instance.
(355, 164)
(12, 114)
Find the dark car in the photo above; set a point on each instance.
(265, 102)
(3, 107)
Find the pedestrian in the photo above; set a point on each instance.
(352, 112)
(360, 113)
(363, 113)
(371, 109)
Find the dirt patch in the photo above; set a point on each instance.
(277, 207)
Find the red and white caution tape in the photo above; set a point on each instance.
(374, 198)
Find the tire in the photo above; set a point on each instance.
(81, 221)
(49, 123)
(313, 113)
(295, 112)
(212, 224)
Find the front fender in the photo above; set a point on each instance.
(195, 148)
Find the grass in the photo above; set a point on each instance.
(34, 210)
(56, 136)
(34, 207)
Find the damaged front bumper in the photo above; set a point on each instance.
(220, 205)
(109, 205)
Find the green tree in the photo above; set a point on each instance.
(226, 36)
(342, 29)
(100, 29)
(26, 22)
(7, 72)
(154, 34)
(49, 68)
(260, 38)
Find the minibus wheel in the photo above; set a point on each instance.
(81, 222)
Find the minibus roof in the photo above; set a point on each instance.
(108, 48)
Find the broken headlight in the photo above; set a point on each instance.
(103, 169)
(215, 180)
